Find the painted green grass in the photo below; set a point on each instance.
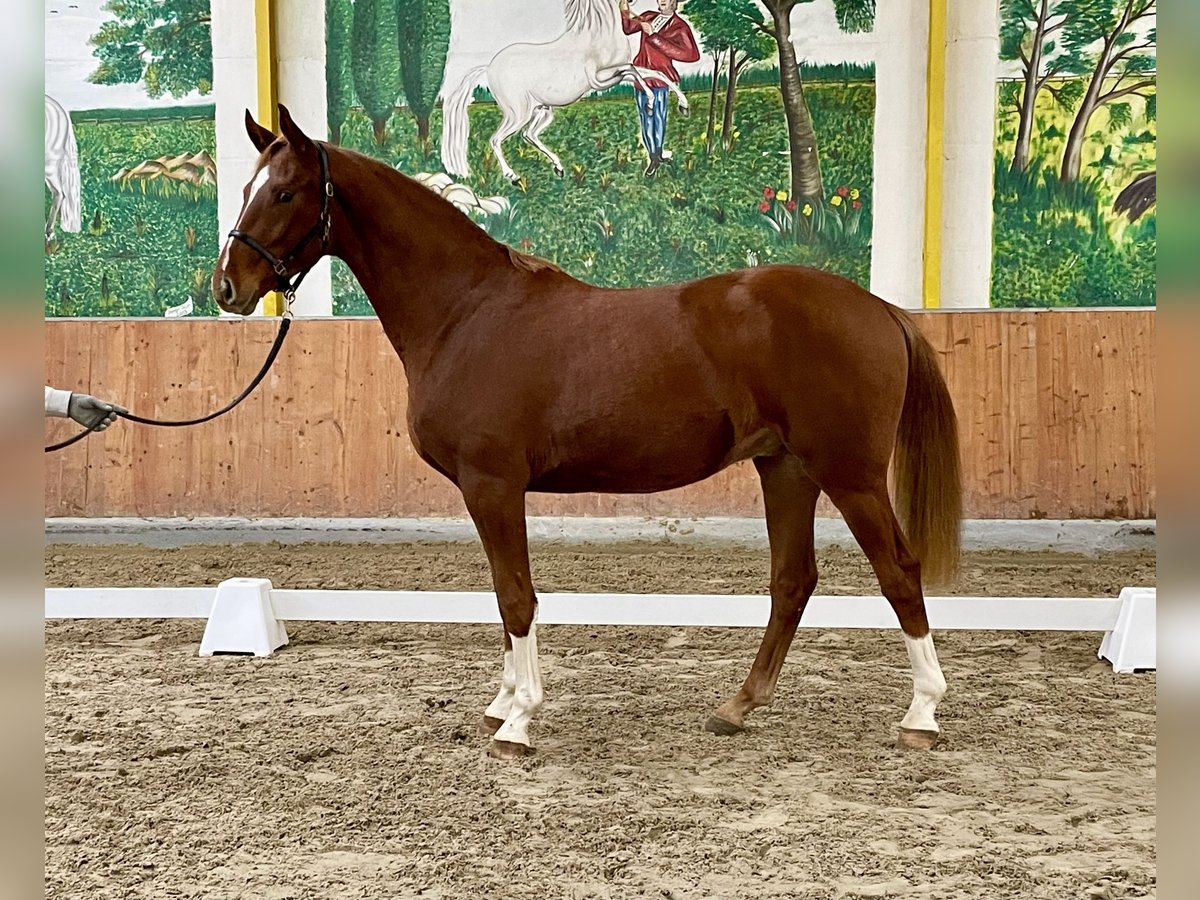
(1060, 244)
(606, 223)
(138, 254)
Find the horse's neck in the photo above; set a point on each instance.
(591, 16)
(416, 258)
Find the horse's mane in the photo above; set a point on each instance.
(528, 263)
(588, 15)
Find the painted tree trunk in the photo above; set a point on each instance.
(1073, 153)
(712, 106)
(802, 138)
(1033, 70)
(730, 99)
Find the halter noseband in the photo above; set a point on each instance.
(284, 283)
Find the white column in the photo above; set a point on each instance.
(300, 45)
(235, 89)
(902, 31)
(973, 46)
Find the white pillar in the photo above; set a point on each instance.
(300, 46)
(902, 31)
(235, 89)
(972, 60)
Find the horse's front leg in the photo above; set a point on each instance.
(613, 75)
(680, 97)
(497, 506)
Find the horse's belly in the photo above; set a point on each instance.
(653, 458)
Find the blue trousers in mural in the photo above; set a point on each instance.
(654, 120)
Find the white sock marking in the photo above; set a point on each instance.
(502, 705)
(929, 686)
(527, 693)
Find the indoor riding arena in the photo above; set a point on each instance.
(614, 317)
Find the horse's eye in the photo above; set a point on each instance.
(285, 196)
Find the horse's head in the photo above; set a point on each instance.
(283, 228)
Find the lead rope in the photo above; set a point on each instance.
(284, 325)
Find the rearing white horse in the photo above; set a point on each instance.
(62, 171)
(529, 81)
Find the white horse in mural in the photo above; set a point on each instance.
(529, 81)
(62, 171)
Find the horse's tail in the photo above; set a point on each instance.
(927, 470)
(456, 124)
(70, 216)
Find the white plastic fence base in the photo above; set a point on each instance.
(243, 620)
(1133, 644)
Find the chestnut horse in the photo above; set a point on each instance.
(522, 378)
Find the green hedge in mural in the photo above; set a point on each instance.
(148, 243)
(703, 214)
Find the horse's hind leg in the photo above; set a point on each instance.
(497, 507)
(542, 117)
(790, 499)
(509, 125)
(869, 514)
(56, 200)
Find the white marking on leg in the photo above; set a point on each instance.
(260, 179)
(929, 686)
(527, 693)
(502, 705)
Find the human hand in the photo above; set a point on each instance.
(647, 27)
(92, 413)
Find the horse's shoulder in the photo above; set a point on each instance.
(528, 263)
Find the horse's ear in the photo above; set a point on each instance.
(298, 139)
(260, 137)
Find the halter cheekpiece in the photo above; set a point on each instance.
(284, 283)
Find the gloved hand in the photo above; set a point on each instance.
(92, 413)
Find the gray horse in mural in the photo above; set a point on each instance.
(62, 171)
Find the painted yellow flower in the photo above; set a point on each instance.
(835, 200)
(854, 193)
(782, 196)
(807, 209)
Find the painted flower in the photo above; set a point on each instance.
(854, 195)
(782, 196)
(768, 193)
(843, 191)
(835, 200)
(856, 204)
(791, 205)
(764, 207)
(807, 210)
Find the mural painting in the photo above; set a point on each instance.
(1075, 154)
(131, 208)
(629, 141)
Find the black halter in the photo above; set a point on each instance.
(287, 284)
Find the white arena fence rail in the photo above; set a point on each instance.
(247, 615)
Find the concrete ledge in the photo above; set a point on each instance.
(1061, 535)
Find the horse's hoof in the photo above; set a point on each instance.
(558, 170)
(717, 725)
(916, 739)
(508, 750)
(489, 725)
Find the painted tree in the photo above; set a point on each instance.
(339, 82)
(853, 16)
(166, 45)
(730, 31)
(1026, 34)
(1111, 43)
(374, 61)
(424, 42)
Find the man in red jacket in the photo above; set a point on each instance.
(666, 39)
